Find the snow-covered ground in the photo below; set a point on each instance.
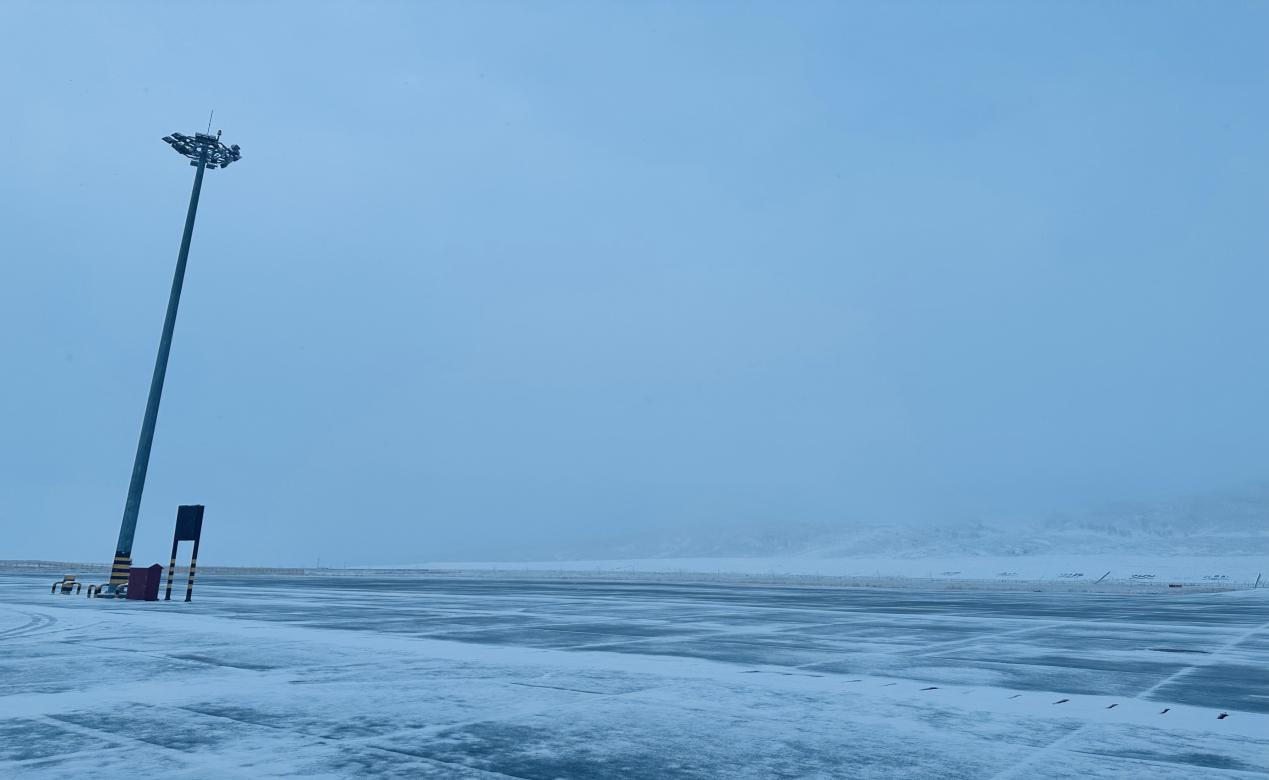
(425, 676)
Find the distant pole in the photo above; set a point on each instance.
(205, 151)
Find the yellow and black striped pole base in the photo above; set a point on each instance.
(171, 572)
(119, 571)
(189, 584)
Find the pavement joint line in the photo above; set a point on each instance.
(1056, 744)
(519, 711)
(600, 647)
(166, 657)
(365, 741)
(1206, 660)
(92, 751)
(446, 764)
(561, 688)
(970, 641)
(119, 740)
(1228, 771)
(122, 741)
(939, 647)
(256, 724)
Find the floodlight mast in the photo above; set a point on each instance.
(204, 151)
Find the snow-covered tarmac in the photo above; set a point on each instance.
(412, 677)
(1111, 572)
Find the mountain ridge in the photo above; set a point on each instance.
(1210, 524)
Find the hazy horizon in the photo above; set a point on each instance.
(499, 277)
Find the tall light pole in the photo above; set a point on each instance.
(204, 151)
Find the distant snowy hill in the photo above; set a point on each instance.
(1216, 524)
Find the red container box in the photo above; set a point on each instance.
(143, 583)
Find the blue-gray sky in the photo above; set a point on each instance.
(492, 277)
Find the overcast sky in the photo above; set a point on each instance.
(493, 277)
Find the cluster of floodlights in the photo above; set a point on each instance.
(206, 147)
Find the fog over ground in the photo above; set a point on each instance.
(497, 281)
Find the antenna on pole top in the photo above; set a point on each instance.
(209, 120)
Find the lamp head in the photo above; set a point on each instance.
(204, 146)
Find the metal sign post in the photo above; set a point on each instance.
(189, 528)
